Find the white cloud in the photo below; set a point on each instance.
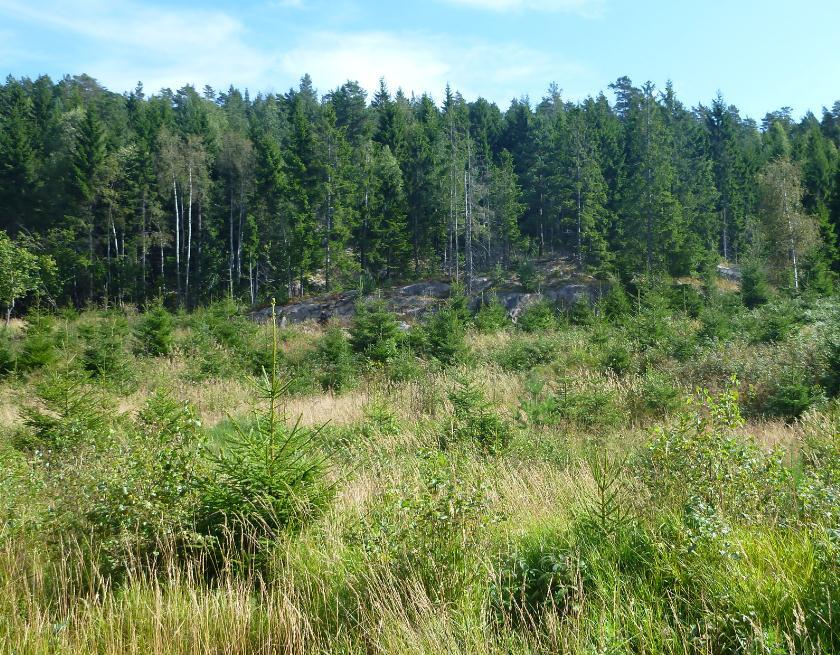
(420, 63)
(123, 42)
(164, 47)
(582, 7)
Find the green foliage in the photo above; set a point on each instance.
(617, 359)
(614, 305)
(265, 478)
(791, 395)
(374, 331)
(755, 290)
(39, 348)
(538, 317)
(335, 360)
(7, 358)
(153, 332)
(491, 316)
(142, 497)
(67, 412)
(444, 333)
(428, 534)
(475, 420)
(529, 278)
(580, 313)
(523, 354)
(104, 355)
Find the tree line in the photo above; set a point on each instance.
(198, 195)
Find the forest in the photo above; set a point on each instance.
(193, 196)
(582, 396)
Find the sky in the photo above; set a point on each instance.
(760, 56)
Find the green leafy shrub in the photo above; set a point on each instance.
(755, 290)
(104, 354)
(587, 407)
(580, 313)
(7, 358)
(773, 322)
(538, 317)
(791, 396)
(429, 533)
(704, 457)
(491, 316)
(141, 497)
(374, 331)
(335, 360)
(617, 359)
(614, 305)
(658, 395)
(153, 332)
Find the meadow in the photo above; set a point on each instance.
(657, 474)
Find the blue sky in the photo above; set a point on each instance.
(761, 56)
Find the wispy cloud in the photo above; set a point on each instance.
(164, 47)
(588, 8)
(123, 42)
(422, 63)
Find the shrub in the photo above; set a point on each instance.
(614, 305)
(491, 316)
(265, 479)
(103, 355)
(7, 358)
(580, 313)
(755, 289)
(523, 354)
(141, 497)
(529, 278)
(539, 317)
(587, 407)
(153, 332)
(617, 359)
(335, 360)
(67, 412)
(429, 534)
(791, 396)
(475, 420)
(39, 344)
(444, 335)
(659, 395)
(374, 332)
(773, 322)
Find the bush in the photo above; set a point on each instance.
(755, 289)
(523, 354)
(335, 360)
(773, 322)
(67, 412)
(791, 396)
(153, 332)
(7, 358)
(103, 355)
(587, 407)
(539, 317)
(374, 332)
(475, 420)
(141, 497)
(529, 278)
(614, 305)
(580, 313)
(491, 316)
(617, 359)
(444, 335)
(265, 479)
(39, 344)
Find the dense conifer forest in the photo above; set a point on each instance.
(195, 195)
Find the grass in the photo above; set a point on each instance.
(434, 544)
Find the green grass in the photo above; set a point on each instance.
(527, 498)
